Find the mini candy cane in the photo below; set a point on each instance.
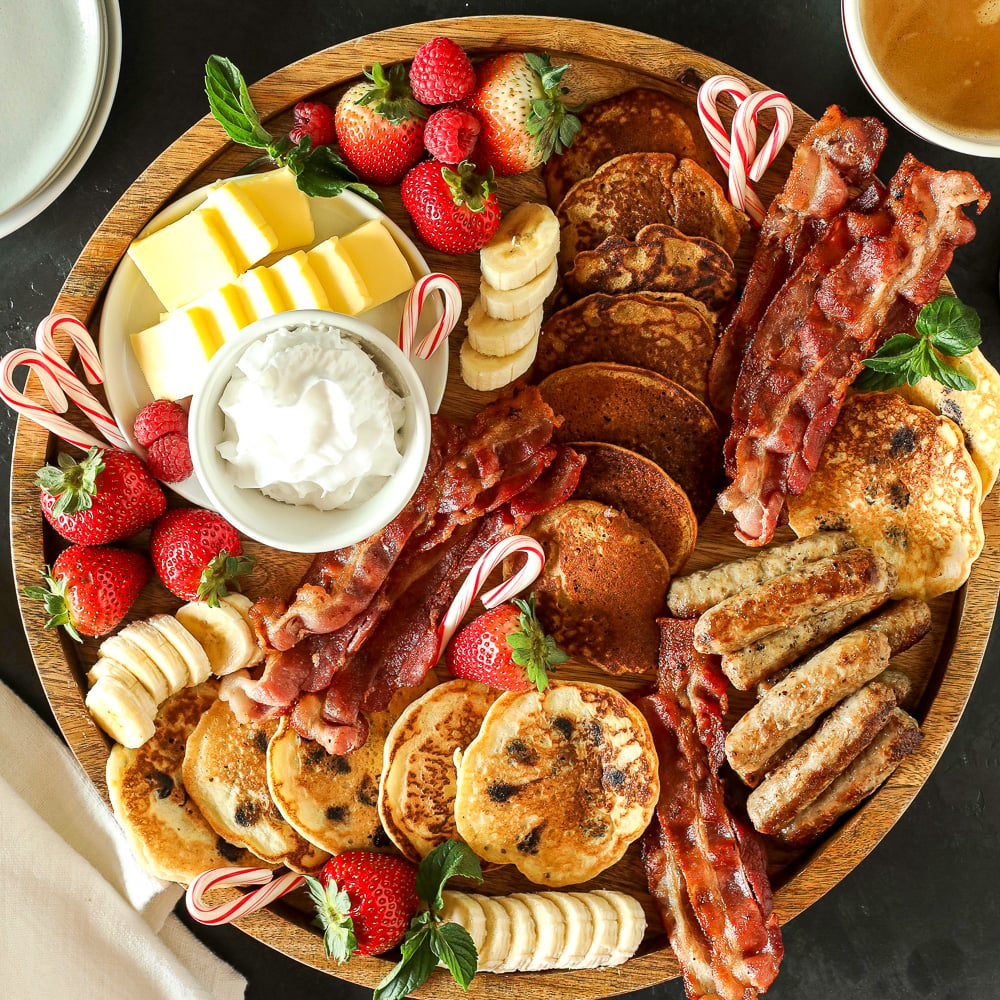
(485, 565)
(708, 112)
(226, 913)
(449, 290)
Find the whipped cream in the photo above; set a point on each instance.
(309, 419)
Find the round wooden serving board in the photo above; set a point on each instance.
(605, 61)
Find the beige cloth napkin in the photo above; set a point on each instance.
(78, 916)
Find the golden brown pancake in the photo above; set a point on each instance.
(639, 120)
(623, 479)
(659, 259)
(636, 190)
(603, 585)
(644, 412)
(558, 783)
(670, 334)
(169, 836)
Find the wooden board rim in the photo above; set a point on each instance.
(80, 295)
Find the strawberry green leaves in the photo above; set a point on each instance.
(319, 171)
(553, 125)
(945, 326)
(532, 648)
(332, 906)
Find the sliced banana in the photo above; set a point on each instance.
(464, 909)
(125, 712)
(523, 935)
(550, 930)
(108, 667)
(500, 337)
(523, 246)
(196, 659)
(578, 922)
(631, 924)
(515, 303)
(604, 942)
(144, 668)
(241, 603)
(223, 633)
(496, 946)
(480, 371)
(154, 644)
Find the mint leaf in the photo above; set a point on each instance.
(952, 326)
(873, 381)
(893, 354)
(453, 857)
(324, 174)
(411, 971)
(454, 946)
(950, 378)
(230, 102)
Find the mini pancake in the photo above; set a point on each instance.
(332, 800)
(900, 480)
(659, 259)
(417, 793)
(558, 783)
(636, 190)
(646, 413)
(976, 411)
(623, 479)
(225, 772)
(602, 587)
(639, 120)
(168, 834)
(672, 335)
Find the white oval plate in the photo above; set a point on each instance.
(131, 306)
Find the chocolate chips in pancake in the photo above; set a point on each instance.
(667, 333)
(636, 190)
(644, 412)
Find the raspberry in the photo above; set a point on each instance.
(162, 416)
(314, 119)
(450, 134)
(169, 458)
(441, 72)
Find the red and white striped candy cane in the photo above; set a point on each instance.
(452, 296)
(708, 111)
(226, 913)
(745, 122)
(478, 575)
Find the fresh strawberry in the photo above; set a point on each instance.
(169, 458)
(518, 99)
(105, 496)
(380, 126)
(441, 72)
(162, 416)
(90, 588)
(506, 648)
(365, 902)
(197, 554)
(313, 119)
(451, 134)
(454, 209)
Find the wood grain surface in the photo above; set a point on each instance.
(606, 60)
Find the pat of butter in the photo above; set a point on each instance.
(263, 294)
(187, 259)
(298, 282)
(279, 200)
(251, 235)
(174, 354)
(230, 309)
(381, 263)
(346, 290)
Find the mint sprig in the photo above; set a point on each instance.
(945, 326)
(430, 939)
(319, 171)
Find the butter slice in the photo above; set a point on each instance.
(230, 309)
(298, 282)
(251, 235)
(345, 288)
(187, 259)
(279, 200)
(263, 294)
(174, 354)
(377, 256)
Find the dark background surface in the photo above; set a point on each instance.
(919, 917)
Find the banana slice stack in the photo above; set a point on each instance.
(532, 931)
(518, 272)
(150, 660)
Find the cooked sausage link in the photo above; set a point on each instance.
(809, 690)
(695, 593)
(897, 739)
(904, 623)
(791, 598)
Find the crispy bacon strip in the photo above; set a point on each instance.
(826, 319)
(719, 864)
(834, 163)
